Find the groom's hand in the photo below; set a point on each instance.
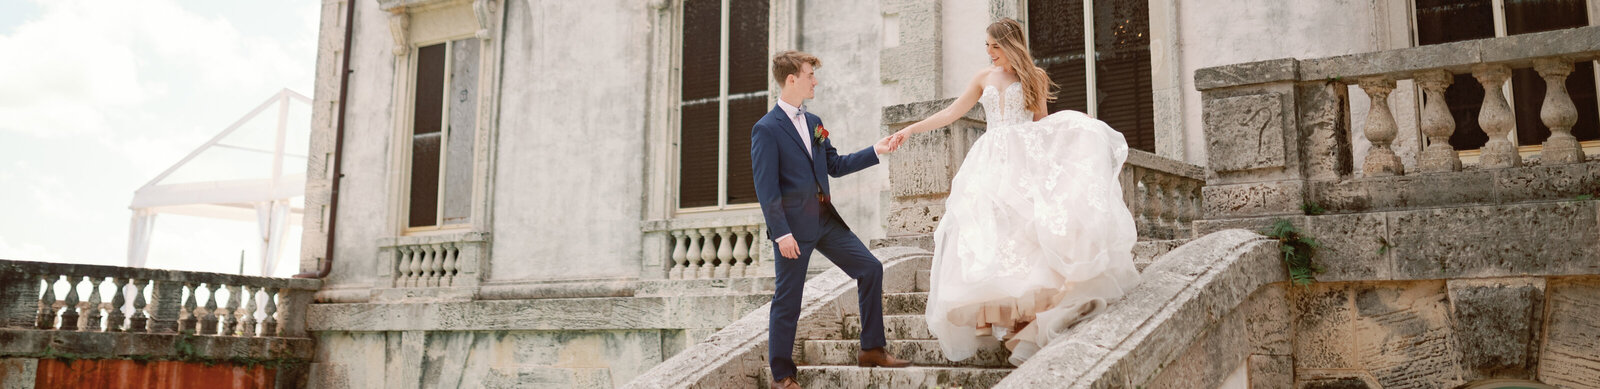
(788, 248)
(887, 145)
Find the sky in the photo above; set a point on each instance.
(97, 97)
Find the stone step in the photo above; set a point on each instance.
(895, 327)
(909, 377)
(924, 280)
(920, 352)
(905, 303)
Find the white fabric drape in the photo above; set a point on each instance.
(139, 230)
(271, 218)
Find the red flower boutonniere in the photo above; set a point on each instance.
(819, 133)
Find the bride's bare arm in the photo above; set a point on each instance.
(949, 114)
(1042, 112)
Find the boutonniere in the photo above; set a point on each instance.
(819, 133)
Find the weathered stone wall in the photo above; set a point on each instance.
(489, 359)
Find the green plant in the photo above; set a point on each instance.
(1298, 249)
(1312, 208)
(1384, 246)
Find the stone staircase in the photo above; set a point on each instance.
(830, 361)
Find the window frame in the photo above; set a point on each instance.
(409, 133)
(1164, 73)
(675, 122)
(1590, 147)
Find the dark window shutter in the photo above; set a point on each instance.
(697, 158)
(1122, 70)
(1055, 38)
(427, 114)
(747, 83)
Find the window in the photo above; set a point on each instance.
(443, 120)
(723, 92)
(1442, 21)
(1110, 79)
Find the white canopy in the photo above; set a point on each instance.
(252, 171)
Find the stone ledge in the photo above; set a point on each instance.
(541, 314)
(1471, 187)
(106, 345)
(1457, 242)
(913, 112)
(1259, 72)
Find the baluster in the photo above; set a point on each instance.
(724, 254)
(437, 267)
(230, 320)
(414, 266)
(190, 316)
(741, 252)
(47, 303)
(1169, 205)
(430, 257)
(140, 319)
(91, 320)
(1151, 205)
(450, 253)
(692, 257)
(247, 324)
(1437, 123)
(679, 255)
(402, 265)
(1380, 130)
(1558, 113)
(114, 321)
(69, 313)
(1131, 176)
(269, 325)
(758, 238)
(708, 253)
(1495, 118)
(208, 323)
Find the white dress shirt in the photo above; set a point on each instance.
(799, 123)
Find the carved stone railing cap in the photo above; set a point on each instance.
(390, 5)
(451, 237)
(915, 111)
(1579, 44)
(1151, 161)
(9, 267)
(752, 217)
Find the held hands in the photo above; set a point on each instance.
(890, 143)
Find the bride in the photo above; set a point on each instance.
(1035, 236)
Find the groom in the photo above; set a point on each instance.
(793, 158)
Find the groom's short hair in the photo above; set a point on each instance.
(788, 62)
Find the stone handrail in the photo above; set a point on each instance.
(1279, 134)
(150, 301)
(709, 247)
(1163, 194)
(1131, 343)
(735, 356)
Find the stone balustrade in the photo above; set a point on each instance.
(1163, 195)
(86, 298)
(709, 248)
(1280, 140)
(434, 261)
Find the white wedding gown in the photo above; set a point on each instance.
(1034, 231)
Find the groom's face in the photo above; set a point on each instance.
(804, 81)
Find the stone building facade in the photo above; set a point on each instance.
(548, 193)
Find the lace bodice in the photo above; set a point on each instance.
(1004, 108)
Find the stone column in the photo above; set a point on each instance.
(1558, 113)
(19, 304)
(1437, 124)
(1496, 119)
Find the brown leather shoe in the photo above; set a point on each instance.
(786, 383)
(879, 358)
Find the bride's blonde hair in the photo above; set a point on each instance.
(1014, 45)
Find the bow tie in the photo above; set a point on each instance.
(800, 112)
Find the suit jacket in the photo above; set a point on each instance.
(788, 180)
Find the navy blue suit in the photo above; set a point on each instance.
(793, 189)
